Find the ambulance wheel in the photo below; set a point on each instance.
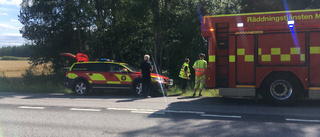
(281, 90)
(137, 88)
(81, 87)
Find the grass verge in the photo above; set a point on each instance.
(176, 91)
(34, 81)
(19, 85)
(13, 58)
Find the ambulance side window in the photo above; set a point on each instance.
(98, 67)
(80, 67)
(114, 68)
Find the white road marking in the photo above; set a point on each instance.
(189, 112)
(153, 111)
(223, 116)
(143, 111)
(148, 112)
(81, 109)
(28, 107)
(129, 109)
(303, 120)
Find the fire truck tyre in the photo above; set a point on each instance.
(137, 88)
(281, 91)
(81, 87)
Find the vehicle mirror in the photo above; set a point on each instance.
(124, 70)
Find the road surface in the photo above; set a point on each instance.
(35, 115)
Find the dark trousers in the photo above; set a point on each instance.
(184, 83)
(146, 84)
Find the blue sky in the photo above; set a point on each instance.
(9, 23)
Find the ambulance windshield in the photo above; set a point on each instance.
(133, 69)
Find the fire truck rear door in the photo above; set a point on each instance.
(222, 54)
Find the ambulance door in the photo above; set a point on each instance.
(117, 77)
(96, 74)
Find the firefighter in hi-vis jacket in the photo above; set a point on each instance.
(200, 67)
(184, 74)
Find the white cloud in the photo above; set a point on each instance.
(14, 20)
(11, 39)
(11, 34)
(11, 2)
(5, 14)
(5, 27)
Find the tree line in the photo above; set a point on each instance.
(125, 30)
(17, 51)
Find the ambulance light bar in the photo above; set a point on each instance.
(105, 59)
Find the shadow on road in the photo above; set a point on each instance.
(101, 95)
(257, 118)
(239, 101)
(122, 95)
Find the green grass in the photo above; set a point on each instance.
(13, 58)
(18, 85)
(175, 91)
(33, 83)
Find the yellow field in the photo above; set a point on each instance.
(13, 68)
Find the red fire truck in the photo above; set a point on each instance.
(273, 54)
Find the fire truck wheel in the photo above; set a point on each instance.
(137, 88)
(81, 87)
(281, 90)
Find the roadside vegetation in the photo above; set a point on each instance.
(8, 84)
(14, 58)
(20, 76)
(176, 91)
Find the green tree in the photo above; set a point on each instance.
(315, 4)
(216, 7)
(18, 51)
(121, 32)
(278, 5)
(124, 30)
(54, 27)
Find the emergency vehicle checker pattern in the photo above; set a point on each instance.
(84, 77)
(272, 54)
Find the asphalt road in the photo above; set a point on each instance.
(35, 115)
